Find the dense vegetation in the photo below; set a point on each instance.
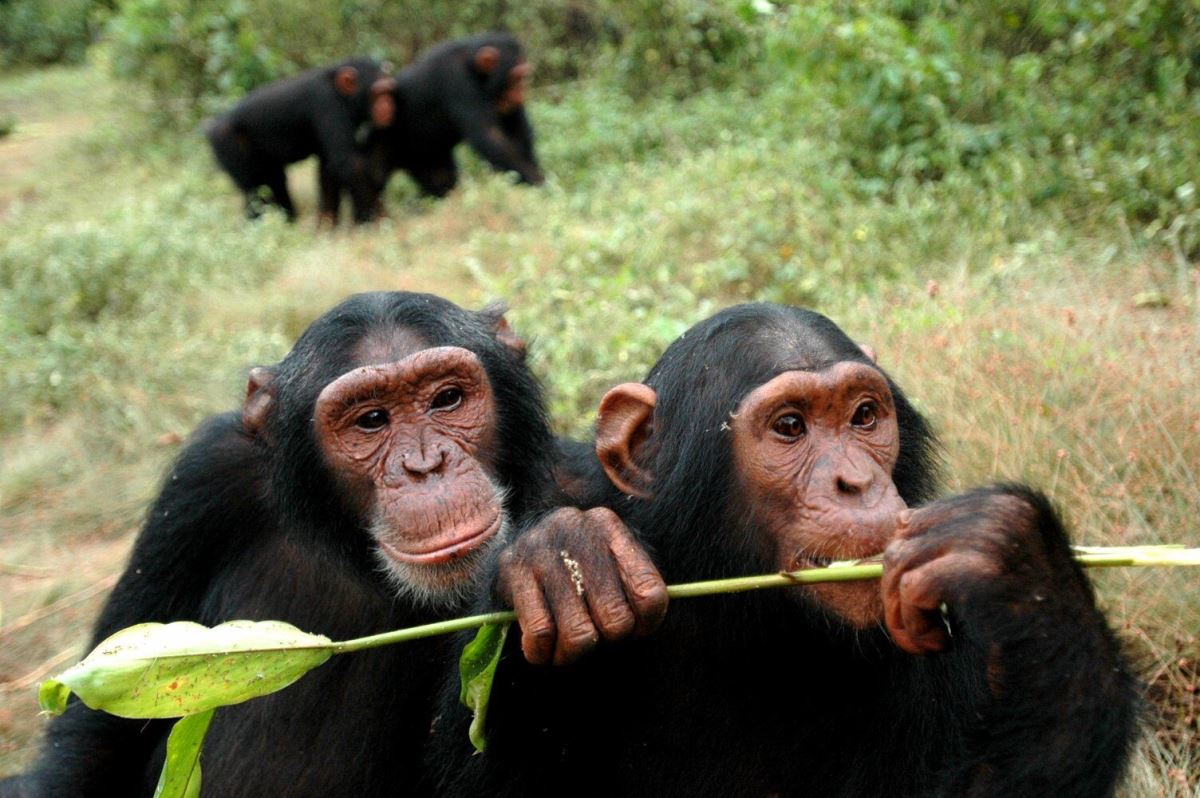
(1001, 197)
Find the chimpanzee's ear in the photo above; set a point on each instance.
(869, 351)
(493, 314)
(260, 400)
(624, 424)
(487, 58)
(345, 80)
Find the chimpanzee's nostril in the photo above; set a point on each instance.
(845, 486)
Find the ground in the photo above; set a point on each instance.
(138, 298)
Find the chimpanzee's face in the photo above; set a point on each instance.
(814, 452)
(410, 442)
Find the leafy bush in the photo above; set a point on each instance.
(47, 31)
(685, 45)
(85, 304)
(907, 98)
(197, 56)
(1095, 104)
(189, 53)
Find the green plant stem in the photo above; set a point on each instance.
(838, 572)
(428, 630)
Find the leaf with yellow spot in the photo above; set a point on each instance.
(156, 670)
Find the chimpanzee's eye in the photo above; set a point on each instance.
(372, 420)
(447, 399)
(789, 426)
(865, 416)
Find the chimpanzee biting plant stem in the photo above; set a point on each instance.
(765, 440)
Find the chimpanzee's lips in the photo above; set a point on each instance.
(808, 561)
(803, 561)
(469, 539)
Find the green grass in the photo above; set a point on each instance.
(133, 299)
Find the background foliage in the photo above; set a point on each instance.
(999, 196)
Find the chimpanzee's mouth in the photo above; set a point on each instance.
(803, 561)
(460, 543)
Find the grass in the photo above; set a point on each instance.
(133, 299)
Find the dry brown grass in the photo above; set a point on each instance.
(1068, 386)
(1044, 372)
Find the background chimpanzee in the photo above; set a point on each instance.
(764, 440)
(470, 89)
(327, 112)
(360, 489)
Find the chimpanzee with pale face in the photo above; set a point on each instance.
(365, 485)
(766, 440)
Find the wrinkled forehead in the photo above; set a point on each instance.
(406, 379)
(818, 387)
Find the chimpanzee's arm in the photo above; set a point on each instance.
(516, 127)
(1056, 710)
(209, 496)
(481, 127)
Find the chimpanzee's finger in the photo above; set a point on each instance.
(600, 584)
(575, 634)
(642, 583)
(522, 589)
(920, 608)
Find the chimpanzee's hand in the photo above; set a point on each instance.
(993, 555)
(576, 577)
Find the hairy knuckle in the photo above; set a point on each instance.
(606, 521)
(565, 517)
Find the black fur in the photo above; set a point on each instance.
(441, 101)
(759, 693)
(289, 120)
(252, 527)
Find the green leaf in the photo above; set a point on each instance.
(156, 670)
(477, 670)
(180, 777)
(53, 695)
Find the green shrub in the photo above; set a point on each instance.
(97, 313)
(684, 45)
(190, 54)
(198, 55)
(47, 31)
(908, 98)
(1094, 104)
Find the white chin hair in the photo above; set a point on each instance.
(447, 585)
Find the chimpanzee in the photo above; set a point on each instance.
(361, 488)
(469, 89)
(328, 112)
(766, 440)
